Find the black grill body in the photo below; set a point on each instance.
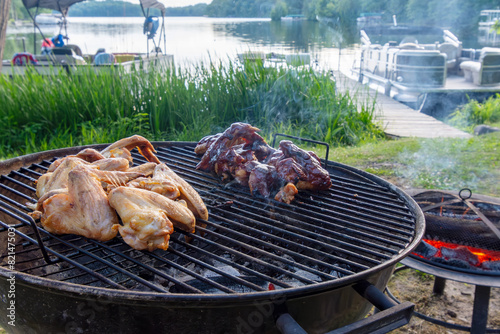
(254, 259)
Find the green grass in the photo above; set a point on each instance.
(41, 113)
(449, 164)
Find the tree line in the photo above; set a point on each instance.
(460, 16)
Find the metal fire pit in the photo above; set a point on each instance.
(483, 280)
(256, 265)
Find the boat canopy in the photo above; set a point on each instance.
(153, 4)
(59, 5)
(63, 5)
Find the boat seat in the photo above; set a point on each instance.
(486, 71)
(452, 53)
(104, 58)
(410, 46)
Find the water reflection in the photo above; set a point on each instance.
(191, 39)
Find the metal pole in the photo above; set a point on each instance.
(480, 309)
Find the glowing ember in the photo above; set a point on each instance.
(481, 254)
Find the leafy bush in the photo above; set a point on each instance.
(475, 113)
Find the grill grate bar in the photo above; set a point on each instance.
(24, 185)
(218, 271)
(14, 172)
(370, 204)
(314, 238)
(62, 257)
(233, 264)
(250, 258)
(263, 252)
(371, 219)
(27, 170)
(320, 219)
(28, 198)
(98, 259)
(14, 203)
(151, 269)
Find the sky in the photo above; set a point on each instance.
(183, 3)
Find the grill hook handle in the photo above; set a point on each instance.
(304, 139)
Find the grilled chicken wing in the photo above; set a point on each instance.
(82, 208)
(236, 134)
(122, 147)
(59, 178)
(88, 154)
(187, 193)
(148, 217)
(316, 177)
(240, 154)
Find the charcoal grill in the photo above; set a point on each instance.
(259, 266)
(468, 220)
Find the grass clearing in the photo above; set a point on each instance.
(448, 164)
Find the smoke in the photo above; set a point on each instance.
(438, 164)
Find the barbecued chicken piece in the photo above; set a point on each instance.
(88, 155)
(148, 218)
(122, 147)
(82, 208)
(317, 178)
(146, 169)
(205, 143)
(289, 171)
(236, 134)
(59, 178)
(229, 162)
(159, 183)
(287, 193)
(187, 192)
(262, 178)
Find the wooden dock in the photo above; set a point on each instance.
(397, 119)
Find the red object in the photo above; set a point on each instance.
(47, 43)
(23, 59)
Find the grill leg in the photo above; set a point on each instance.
(480, 309)
(439, 284)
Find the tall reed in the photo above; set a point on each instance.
(46, 112)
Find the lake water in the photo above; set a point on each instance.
(192, 39)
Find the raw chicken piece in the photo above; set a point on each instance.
(82, 208)
(146, 169)
(148, 217)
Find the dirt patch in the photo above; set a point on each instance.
(454, 306)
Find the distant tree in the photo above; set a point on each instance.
(279, 10)
(4, 17)
(496, 27)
